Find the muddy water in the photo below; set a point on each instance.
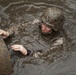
(14, 12)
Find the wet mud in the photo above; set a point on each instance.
(59, 61)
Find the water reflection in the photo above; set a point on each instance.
(16, 11)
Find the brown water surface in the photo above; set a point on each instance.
(14, 12)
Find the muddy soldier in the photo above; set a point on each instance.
(45, 33)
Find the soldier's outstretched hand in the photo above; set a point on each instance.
(4, 34)
(20, 48)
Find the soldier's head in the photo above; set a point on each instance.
(52, 20)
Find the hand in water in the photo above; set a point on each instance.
(5, 34)
(20, 48)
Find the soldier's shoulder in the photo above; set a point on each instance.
(35, 21)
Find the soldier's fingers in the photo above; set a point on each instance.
(4, 36)
(16, 45)
(0, 33)
(16, 49)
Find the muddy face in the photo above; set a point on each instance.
(45, 29)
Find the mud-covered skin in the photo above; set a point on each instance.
(14, 29)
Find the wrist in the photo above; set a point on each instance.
(28, 52)
(23, 51)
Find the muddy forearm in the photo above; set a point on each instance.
(12, 30)
(57, 43)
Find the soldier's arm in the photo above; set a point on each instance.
(14, 29)
(57, 43)
(11, 30)
(35, 21)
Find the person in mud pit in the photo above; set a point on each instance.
(50, 25)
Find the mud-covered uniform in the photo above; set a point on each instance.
(33, 40)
